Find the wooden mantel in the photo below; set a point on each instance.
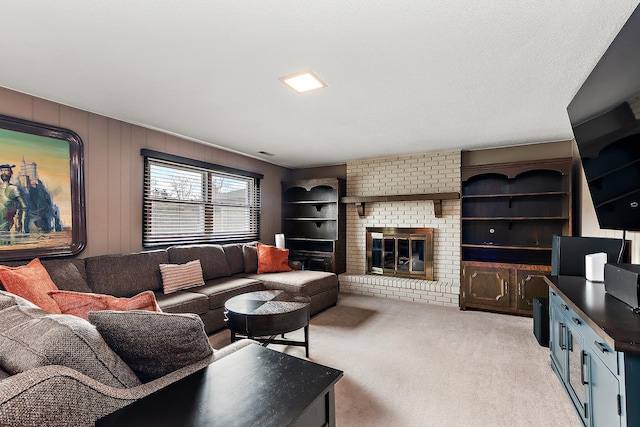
(437, 198)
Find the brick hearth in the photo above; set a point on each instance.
(423, 173)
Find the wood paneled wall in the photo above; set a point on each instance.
(113, 170)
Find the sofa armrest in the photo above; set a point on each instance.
(58, 396)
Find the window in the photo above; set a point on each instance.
(187, 201)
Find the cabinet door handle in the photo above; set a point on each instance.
(563, 345)
(576, 321)
(569, 340)
(565, 307)
(583, 355)
(601, 346)
(586, 411)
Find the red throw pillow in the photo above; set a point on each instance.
(81, 303)
(31, 282)
(272, 259)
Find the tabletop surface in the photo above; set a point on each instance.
(266, 302)
(613, 320)
(252, 386)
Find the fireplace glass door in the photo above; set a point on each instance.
(417, 255)
(400, 252)
(376, 253)
(389, 254)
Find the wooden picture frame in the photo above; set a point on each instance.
(42, 205)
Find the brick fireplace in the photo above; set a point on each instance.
(437, 172)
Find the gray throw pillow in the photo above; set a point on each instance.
(7, 299)
(31, 337)
(153, 344)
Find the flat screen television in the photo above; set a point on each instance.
(609, 147)
(607, 131)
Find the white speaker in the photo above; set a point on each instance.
(594, 266)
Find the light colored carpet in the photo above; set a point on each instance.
(409, 364)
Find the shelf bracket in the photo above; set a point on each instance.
(437, 208)
(360, 208)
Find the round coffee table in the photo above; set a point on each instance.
(263, 315)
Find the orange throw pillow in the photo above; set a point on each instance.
(31, 282)
(81, 303)
(272, 259)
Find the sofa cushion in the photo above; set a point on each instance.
(7, 299)
(81, 303)
(30, 337)
(153, 344)
(272, 259)
(305, 282)
(31, 281)
(125, 275)
(221, 289)
(212, 258)
(181, 276)
(233, 252)
(250, 257)
(67, 274)
(183, 302)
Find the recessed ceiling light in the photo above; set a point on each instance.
(304, 82)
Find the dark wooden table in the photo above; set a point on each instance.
(254, 386)
(263, 315)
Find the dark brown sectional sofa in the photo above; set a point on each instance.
(228, 270)
(54, 386)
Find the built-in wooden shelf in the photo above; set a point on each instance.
(437, 198)
(509, 215)
(314, 223)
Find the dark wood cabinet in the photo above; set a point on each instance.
(313, 222)
(486, 285)
(502, 287)
(510, 212)
(531, 284)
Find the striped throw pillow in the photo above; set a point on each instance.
(181, 276)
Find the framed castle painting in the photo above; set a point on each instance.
(42, 210)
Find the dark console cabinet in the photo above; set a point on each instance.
(510, 213)
(313, 222)
(594, 351)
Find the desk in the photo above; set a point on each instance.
(254, 386)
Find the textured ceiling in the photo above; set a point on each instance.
(405, 76)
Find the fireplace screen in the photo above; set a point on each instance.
(404, 252)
